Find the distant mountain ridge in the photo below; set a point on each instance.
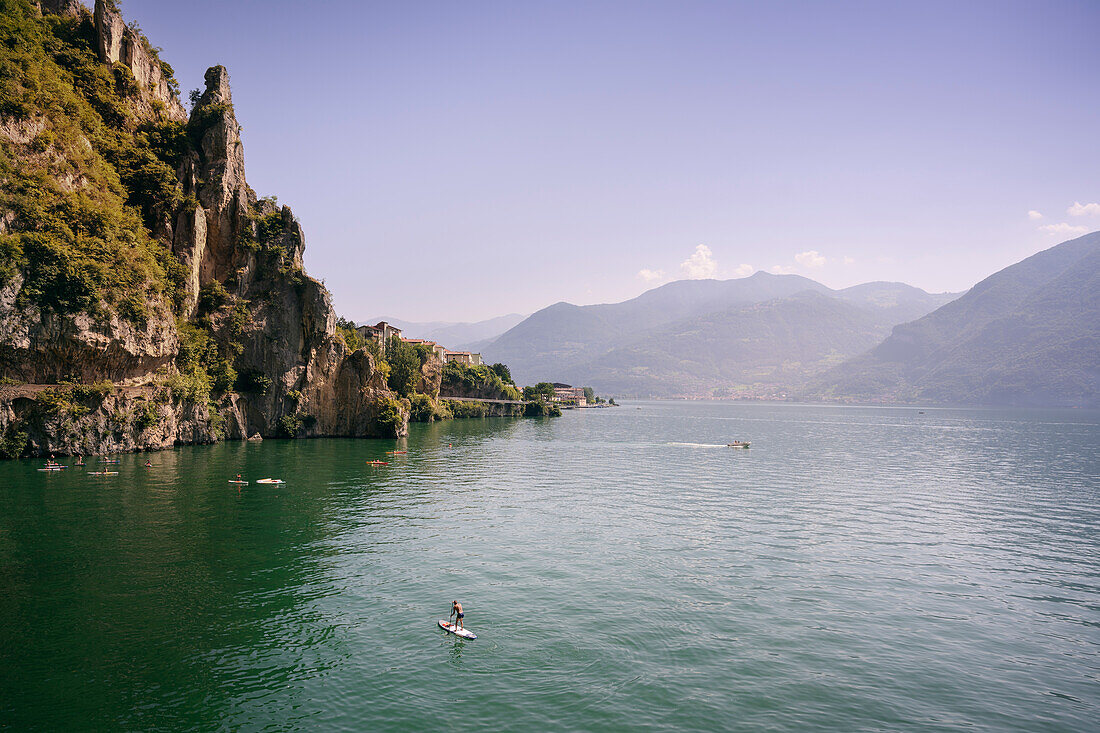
(594, 345)
(1027, 335)
(454, 335)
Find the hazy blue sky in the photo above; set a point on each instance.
(459, 160)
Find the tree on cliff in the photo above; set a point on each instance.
(404, 364)
(502, 371)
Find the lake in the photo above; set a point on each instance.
(855, 569)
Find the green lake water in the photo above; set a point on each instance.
(856, 569)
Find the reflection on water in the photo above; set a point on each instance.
(856, 568)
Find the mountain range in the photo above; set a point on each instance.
(740, 337)
(1028, 335)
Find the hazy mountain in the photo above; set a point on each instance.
(594, 344)
(454, 335)
(758, 349)
(895, 302)
(1027, 335)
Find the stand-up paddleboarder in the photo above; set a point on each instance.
(456, 608)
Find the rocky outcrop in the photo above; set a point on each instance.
(42, 347)
(431, 376)
(121, 44)
(62, 7)
(66, 421)
(246, 298)
(254, 249)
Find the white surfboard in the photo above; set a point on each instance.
(270, 481)
(452, 629)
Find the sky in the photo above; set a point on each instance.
(457, 161)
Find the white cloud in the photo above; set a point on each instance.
(1063, 228)
(650, 275)
(744, 270)
(849, 260)
(781, 269)
(1034, 215)
(811, 258)
(700, 265)
(1079, 209)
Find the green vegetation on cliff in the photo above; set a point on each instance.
(83, 175)
(469, 380)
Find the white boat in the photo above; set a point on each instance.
(739, 444)
(271, 481)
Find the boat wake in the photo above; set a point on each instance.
(698, 445)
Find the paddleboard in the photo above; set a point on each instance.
(239, 482)
(270, 481)
(52, 468)
(102, 473)
(452, 629)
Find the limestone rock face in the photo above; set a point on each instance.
(62, 7)
(126, 419)
(349, 400)
(109, 28)
(39, 347)
(118, 43)
(290, 333)
(431, 376)
(271, 321)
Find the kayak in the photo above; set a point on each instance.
(102, 473)
(378, 463)
(397, 452)
(239, 482)
(270, 481)
(452, 629)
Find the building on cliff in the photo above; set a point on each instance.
(463, 357)
(380, 333)
(437, 349)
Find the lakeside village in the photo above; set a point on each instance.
(557, 394)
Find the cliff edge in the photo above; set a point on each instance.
(148, 297)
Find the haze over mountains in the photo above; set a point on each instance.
(1028, 335)
(741, 337)
(454, 335)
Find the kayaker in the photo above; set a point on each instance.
(456, 608)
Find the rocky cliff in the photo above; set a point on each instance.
(193, 297)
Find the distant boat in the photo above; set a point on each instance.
(377, 463)
(739, 444)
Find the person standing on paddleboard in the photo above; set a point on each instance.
(456, 607)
